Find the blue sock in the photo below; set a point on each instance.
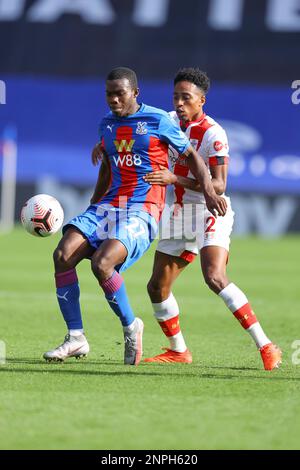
(115, 293)
(67, 291)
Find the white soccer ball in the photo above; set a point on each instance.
(42, 215)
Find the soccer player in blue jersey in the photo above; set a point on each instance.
(121, 222)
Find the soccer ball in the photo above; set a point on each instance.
(42, 215)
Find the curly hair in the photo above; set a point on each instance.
(123, 72)
(193, 75)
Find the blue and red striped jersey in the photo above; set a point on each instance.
(137, 145)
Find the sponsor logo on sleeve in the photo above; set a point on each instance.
(218, 146)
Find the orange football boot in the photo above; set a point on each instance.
(172, 356)
(271, 356)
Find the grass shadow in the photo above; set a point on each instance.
(144, 371)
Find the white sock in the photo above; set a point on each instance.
(129, 328)
(78, 332)
(258, 335)
(177, 343)
(234, 298)
(164, 311)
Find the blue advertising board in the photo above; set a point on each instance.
(57, 126)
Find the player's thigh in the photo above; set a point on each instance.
(216, 230)
(213, 261)
(72, 248)
(166, 269)
(110, 253)
(136, 231)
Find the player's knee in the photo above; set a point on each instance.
(101, 267)
(61, 259)
(157, 291)
(215, 280)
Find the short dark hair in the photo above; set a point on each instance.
(193, 75)
(123, 72)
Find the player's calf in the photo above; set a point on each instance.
(238, 303)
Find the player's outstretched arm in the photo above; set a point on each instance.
(197, 166)
(218, 179)
(102, 181)
(164, 177)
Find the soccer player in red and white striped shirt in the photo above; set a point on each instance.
(192, 229)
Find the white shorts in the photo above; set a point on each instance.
(192, 227)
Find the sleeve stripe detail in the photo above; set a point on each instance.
(214, 161)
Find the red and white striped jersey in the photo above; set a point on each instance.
(209, 139)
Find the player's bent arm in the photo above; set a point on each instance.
(219, 180)
(189, 183)
(219, 177)
(198, 168)
(102, 183)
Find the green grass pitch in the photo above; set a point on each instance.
(224, 400)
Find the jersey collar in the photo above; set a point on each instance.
(185, 125)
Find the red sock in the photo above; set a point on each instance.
(245, 316)
(170, 327)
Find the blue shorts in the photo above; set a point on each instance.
(135, 229)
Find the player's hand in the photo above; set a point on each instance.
(216, 204)
(97, 154)
(161, 177)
